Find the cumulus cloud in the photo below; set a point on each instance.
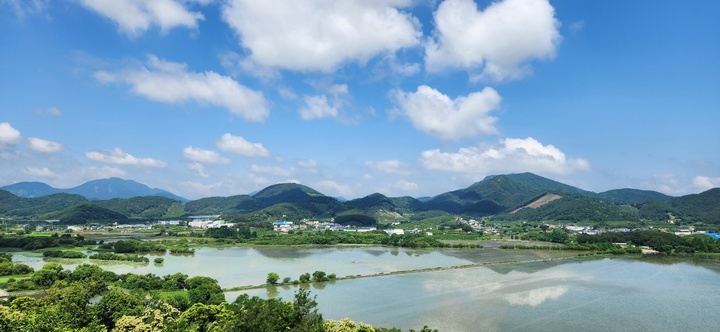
(705, 182)
(435, 113)
(333, 188)
(171, 82)
(8, 134)
(134, 17)
(204, 156)
(388, 166)
(317, 107)
(405, 185)
(509, 155)
(320, 34)
(40, 172)
(199, 168)
(120, 157)
(239, 145)
(497, 41)
(45, 146)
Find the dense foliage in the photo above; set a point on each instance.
(147, 207)
(40, 242)
(136, 303)
(660, 241)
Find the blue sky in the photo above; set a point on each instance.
(402, 97)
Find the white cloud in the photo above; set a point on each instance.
(239, 145)
(171, 82)
(435, 113)
(498, 41)
(317, 107)
(405, 185)
(134, 17)
(199, 168)
(705, 183)
(508, 156)
(320, 34)
(537, 296)
(40, 172)
(272, 170)
(333, 188)
(45, 146)
(204, 156)
(388, 166)
(23, 8)
(54, 111)
(307, 163)
(120, 157)
(8, 135)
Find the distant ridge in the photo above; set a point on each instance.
(511, 197)
(92, 190)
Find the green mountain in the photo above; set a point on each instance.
(573, 207)
(285, 193)
(146, 207)
(88, 212)
(702, 207)
(522, 196)
(633, 196)
(93, 190)
(379, 202)
(500, 193)
(30, 189)
(237, 204)
(12, 205)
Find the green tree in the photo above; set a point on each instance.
(272, 278)
(319, 276)
(305, 278)
(204, 290)
(48, 275)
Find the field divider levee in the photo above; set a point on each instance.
(392, 273)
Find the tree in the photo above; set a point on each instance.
(47, 276)
(272, 278)
(204, 290)
(558, 235)
(114, 305)
(305, 278)
(319, 276)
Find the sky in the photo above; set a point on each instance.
(402, 97)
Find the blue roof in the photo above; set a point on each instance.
(713, 235)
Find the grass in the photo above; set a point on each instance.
(5, 279)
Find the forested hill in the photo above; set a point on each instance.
(522, 196)
(92, 190)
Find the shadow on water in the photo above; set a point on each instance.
(284, 253)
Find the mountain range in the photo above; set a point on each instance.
(523, 196)
(92, 190)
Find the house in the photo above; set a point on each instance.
(4, 295)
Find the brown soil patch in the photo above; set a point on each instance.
(539, 202)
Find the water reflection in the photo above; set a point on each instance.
(285, 253)
(535, 297)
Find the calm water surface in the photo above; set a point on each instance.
(594, 295)
(559, 295)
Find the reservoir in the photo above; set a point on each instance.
(511, 290)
